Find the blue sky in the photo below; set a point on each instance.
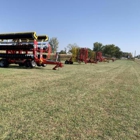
(76, 21)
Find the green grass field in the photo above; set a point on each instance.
(78, 102)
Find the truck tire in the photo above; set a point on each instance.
(66, 62)
(32, 64)
(4, 63)
(43, 65)
(27, 63)
(21, 64)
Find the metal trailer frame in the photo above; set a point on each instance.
(99, 56)
(22, 49)
(81, 56)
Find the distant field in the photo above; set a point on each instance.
(78, 102)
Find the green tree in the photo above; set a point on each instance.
(54, 44)
(91, 54)
(71, 46)
(118, 52)
(62, 52)
(112, 51)
(97, 46)
(127, 55)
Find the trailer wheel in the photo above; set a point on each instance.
(39, 65)
(71, 62)
(66, 62)
(1, 63)
(4, 63)
(21, 64)
(44, 65)
(32, 64)
(27, 63)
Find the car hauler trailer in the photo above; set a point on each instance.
(23, 49)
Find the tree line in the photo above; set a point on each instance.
(109, 50)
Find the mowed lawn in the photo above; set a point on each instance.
(78, 102)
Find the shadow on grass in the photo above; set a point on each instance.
(74, 64)
(18, 67)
